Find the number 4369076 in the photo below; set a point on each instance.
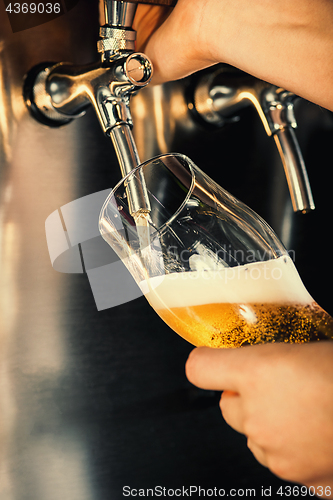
(33, 8)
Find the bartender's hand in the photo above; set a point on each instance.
(281, 397)
(173, 39)
(287, 43)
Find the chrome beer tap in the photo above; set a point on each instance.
(219, 96)
(58, 93)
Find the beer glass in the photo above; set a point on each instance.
(210, 267)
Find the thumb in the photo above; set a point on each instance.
(174, 48)
(216, 369)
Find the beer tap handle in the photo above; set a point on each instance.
(116, 33)
(119, 13)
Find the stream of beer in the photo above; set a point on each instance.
(142, 221)
(143, 231)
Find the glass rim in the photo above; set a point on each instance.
(190, 165)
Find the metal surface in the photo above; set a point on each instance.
(116, 32)
(221, 94)
(294, 166)
(119, 13)
(128, 158)
(278, 106)
(64, 91)
(115, 40)
(93, 401)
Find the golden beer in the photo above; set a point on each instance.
(258, 303)
(234, 325)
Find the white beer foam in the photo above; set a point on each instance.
(275, 280)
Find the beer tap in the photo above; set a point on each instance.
(218, 97)
(55, 94)
(58, 93)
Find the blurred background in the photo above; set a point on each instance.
(91, 401)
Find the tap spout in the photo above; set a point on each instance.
(128, 159)
(278, 107)
(219, 96)
(294, 167)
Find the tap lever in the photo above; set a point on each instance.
(119, 13)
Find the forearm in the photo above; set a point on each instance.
(286, 43)
(289, 44)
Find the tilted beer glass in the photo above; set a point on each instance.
(212, 269)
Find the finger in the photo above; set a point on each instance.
(147, 19)
(174, 47)
(232, 412)
(258, 452)
(216, 369)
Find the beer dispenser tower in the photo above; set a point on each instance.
(95, 404)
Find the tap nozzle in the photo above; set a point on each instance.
(219, 96)
(278, 107)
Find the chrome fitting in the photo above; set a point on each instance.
(115, 41)
(38, 100)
